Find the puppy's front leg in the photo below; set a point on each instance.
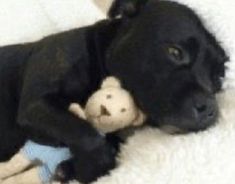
(85, 142)
(43, 112)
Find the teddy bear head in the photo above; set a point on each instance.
(112, 107)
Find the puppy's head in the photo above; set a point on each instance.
(169, 61)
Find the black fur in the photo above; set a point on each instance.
(39, 80)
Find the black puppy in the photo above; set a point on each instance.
(161, 52)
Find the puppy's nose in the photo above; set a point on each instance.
(205, 109)
(104, 111)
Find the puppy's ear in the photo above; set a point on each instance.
(126, 8)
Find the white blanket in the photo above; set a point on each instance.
(30, 20)
(150, 156)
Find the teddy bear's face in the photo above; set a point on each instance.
(111, 109)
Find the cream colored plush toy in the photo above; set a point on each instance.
(109, 109)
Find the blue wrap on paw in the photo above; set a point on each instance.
(49, 156)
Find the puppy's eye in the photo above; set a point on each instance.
(175, 52)
(177, 55)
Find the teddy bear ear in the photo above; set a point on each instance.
(111, 82)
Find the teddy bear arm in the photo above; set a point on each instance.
(27, 177)
(16, 164)
(77, 110)
(139, 119)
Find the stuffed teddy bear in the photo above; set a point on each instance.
(109, 109)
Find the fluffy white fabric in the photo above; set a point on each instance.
(150, 156)
(30, 20)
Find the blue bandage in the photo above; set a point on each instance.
(50, 157)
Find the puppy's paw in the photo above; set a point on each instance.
(88, 166)
(65, 171)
